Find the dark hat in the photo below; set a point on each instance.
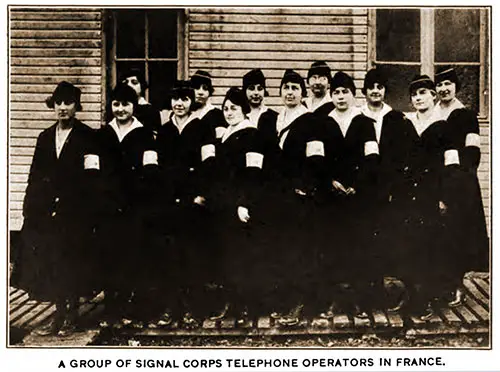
(341, 79)
(421, 81)
(238, 97)
(291, 76)
(447, 73)
(254, 77)
(124, 93)
(138, 73)
(320, 68)
(66, 92)
(375, 75)
(181, 89)
(202, 77)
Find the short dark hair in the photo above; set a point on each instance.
(238, 97)
(66, 92)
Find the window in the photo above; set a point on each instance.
(406, 42)
(151, 40)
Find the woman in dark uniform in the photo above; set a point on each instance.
(302, 175)
(201, 82)
(146, 113)
(126, 146)
(465, 212)
(412, 149)
(351, 259)
(58, 218)
(186, 151)
(235, 197)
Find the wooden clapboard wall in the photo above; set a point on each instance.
(230, 42)
(46, 47)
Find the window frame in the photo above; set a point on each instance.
(182, 47)
(427, 52)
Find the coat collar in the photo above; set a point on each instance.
(309, 102)
(442, 113)
(180, 128)
(122, 134)
(287, 117)
(236, 128)
(344, 120)
(205, 110)
(255, 117)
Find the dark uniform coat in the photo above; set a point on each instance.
(239, 162)
(57, 257)
(213, 118)
(149, 116)
(410, 182)
(465, 214)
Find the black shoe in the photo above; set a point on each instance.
(425, 314)
(458, 298)
(189, 321)
(67, 329)
(51, 328)
(221, 314)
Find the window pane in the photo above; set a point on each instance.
(469, 92)
(130, 34)
(162, 33)
(457, 35)
(398, 35)
(397, 94)
(162, 76)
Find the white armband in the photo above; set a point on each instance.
(451, 157)
(371, 147)
(91, 161)
(315, 148)
(207, 151)
(150, 157)
(254, 159)
(219, 132)
(472, 139)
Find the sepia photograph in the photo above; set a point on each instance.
(249, 177)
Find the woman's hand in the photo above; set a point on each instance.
(200, 200)
(339, 187)
(442, 208)
(243, 214)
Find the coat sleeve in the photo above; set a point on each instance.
(369, 156)
(471, 151)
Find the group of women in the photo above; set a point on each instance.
(243, 211)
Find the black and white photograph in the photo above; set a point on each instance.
(249, 177)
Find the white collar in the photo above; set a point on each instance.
(121, 134)
(419, 124)
(344, 120)
(204, 110)
(309, 102)
(375, 115)
(442, 113)
(230, 130)
(254, 116)
(180, 128)
(142, 101)
(287, 116)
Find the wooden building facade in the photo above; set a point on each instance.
(90, 46)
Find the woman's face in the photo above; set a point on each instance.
(122, 111)
(233, 113)
(255, 94)
(446, 90)
(375, 95)
(201, 94)
(342, 98)
(422, 99)
(134, 83)
(291, 94)
(65, 110)
(181, 106)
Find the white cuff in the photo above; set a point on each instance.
(207, 151)
(150, 157)
(315, 148)
(371, 147)
(472, 139)
(254, 159)
(451, 157)
(219, 132)
(91, 161)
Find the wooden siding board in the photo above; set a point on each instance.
(288, 11)
(52, 43)
(275, 56)
(274, 37)
(58, 62)
(55, 34)
(80, 15)
(33, 25)
(277, 28)
(55, 52)
(55, 79)
(281, 19)
(270, 64)
(261, 47)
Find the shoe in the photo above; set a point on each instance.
(327, 315)
(276, 315)
(51, 328)
(189, 321)
(459, 298)
(165, 320)
(242, 318)
(67, 329)
(293, 317)
(426, 314)
(403, 301)
(222, 314)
